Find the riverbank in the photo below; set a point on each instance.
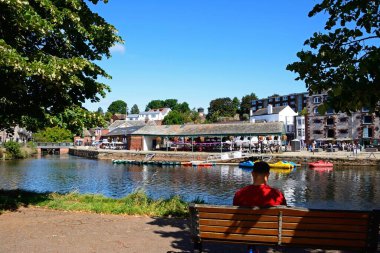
(302, 157)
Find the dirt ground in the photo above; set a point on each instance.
(41, 230)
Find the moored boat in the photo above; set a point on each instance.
(281, 165)
(321, 163)
(246, 164)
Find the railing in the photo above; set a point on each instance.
(54, 144)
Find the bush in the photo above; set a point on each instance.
(13, 149)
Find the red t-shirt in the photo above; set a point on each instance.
(259, 195)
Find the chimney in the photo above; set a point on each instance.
(270, 109)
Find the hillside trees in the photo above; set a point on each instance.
(221, 107)
(345, 59)
(135, 109)
(118, 106)
(48, 51)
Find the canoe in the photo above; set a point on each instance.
(321, 163)
(281, 165)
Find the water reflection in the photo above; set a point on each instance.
(349, 188)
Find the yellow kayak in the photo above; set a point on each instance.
(281, 165)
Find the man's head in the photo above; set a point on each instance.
(260, 173)
(261, 168)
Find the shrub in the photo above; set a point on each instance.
(13, 149)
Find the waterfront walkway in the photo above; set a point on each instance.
(41, 230)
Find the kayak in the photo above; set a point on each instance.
(281, 165)
(321, 163)
(290, 162)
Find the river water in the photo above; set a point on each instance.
(355, 188)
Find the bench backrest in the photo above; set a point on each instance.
(298, 227)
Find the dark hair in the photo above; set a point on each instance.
(261, 167)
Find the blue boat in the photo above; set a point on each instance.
(246, 164)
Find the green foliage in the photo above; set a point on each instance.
(118, 106)
(175, 118)
(304, 112)
(345, 59)
(135, 109)
(75, 119)
(221, 107)
(168, 103)
(137, 203)
(48, 51)
(53, 134)
(13, 149)
(246, 103)
(100, 111)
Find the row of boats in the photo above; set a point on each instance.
(288, 164)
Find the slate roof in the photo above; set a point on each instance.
(119, 123)
(264, 111)
(123, 131)
(269, 128)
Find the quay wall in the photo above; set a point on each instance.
(137, 155)
(299, 158)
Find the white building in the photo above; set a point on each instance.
(153, 114)
(283, 114)
(300, 128)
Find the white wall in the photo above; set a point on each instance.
(147, 143)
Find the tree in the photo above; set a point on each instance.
(182, 107)
(154, 104)
(75, 119)
(100, 111)
(174, 118)
(118, 106)
(221, 107)
(135, 109)
(53, 134)
(246, 103)
(344, 61)
(48, 51)
(236, 104)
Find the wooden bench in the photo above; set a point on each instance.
(285, 226)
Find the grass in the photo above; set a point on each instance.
(137, 203)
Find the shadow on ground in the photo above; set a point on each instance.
(11, 200)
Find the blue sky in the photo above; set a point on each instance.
(200, 50)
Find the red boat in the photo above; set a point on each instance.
(321, 163)
(322, 169)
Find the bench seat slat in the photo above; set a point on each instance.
(322, 242)
(242, 224)
(239, 237)
(238, 211)
(238, 230)
(325, 234)
(226, 216)
(319, 220)
(324, 227)
(326, 213)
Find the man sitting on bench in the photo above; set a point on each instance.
(259, 193)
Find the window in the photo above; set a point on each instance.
(285, 104)
(259, 107)
(271, 100)
(292, 97)
(330, 133)
(289, 128)
(285, 98)
(277, 105)
(299, 121)
(317, 121)
(343, 131)
(365, 109)
(330, 111)
(344, 119)
(292, 102)
(317, 132)
(277, 99)
(299, 132)
(367, 119)
(367, 132)
(330, 121)
(254, 102)
(317, 100)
